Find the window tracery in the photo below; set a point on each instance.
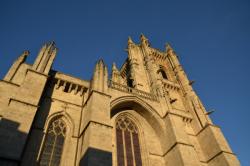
(128, 144)
(53, 143)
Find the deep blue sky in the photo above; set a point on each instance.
(211, 37)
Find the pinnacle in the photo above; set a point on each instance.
(114, 68)
(26, 53)
(100, 62)
(143, 37)
(50, 45)
(168, 47)
(130, 41)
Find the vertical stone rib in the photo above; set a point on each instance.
(45, 58)
(39, 57)
(129, 153)
(50, 61)
(120, 151)
(137, 151)
(101, 73)
(105, 83)
(95, 79)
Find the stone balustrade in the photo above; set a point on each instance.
(170, 85)
(134, 91)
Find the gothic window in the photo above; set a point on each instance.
(53, 143)
(163, 74)
(128, 144)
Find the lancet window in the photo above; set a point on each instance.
(163, 73)
(128, 144)
(53, 143)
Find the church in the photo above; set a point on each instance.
(145, 113)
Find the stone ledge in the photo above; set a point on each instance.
(34, 71)
(206, 127)
(182, 115)
(219, 153)
(55, 99)
(94, 122)
(7, 82)
(90, 94)
(23, 102)
(171, 148)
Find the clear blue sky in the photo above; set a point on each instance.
(211, 37)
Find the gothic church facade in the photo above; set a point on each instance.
(145, 114)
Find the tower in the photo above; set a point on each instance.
(145, 114)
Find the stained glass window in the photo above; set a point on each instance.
(53, 143)
(127, 141)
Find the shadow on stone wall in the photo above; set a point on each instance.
(96, 157)
(36, 134)
(11, 142)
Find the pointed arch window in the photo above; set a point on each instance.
(163, 73)
(53, 143)
(128, 144)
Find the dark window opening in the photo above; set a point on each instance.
(163, 74)
(66, 89)
(78, 89)
(61, 83)
(73, 87)
(130, 83)
(53, 144)
(127, 143)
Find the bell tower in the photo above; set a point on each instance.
(191, 137)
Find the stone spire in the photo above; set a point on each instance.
(15, 66)
(142, 37)
(115, 76)
(185, 84)
(168, 48)
(100, 77)
(144, 40)
(114, 68)
(45, 58)
(130, 41)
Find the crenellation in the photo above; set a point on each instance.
(69, 87)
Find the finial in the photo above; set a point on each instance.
(25, 53)
(100, 62)
(143, 38)
(168, 47)
(114, 66)
(51, 44)
(130, 41)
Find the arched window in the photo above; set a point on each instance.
(127, 142)
(53, 143)
(163, 74)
